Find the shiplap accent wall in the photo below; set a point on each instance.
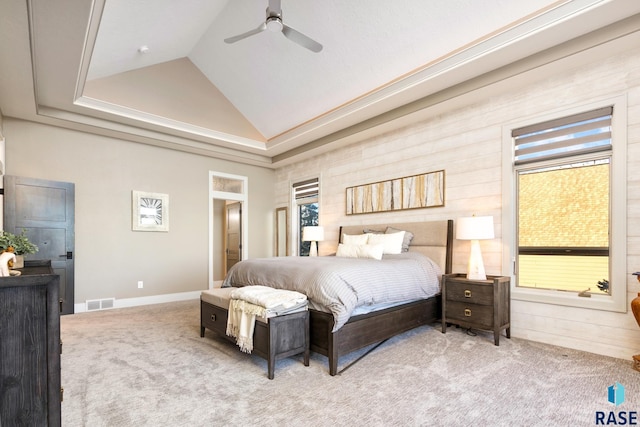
(464, 136)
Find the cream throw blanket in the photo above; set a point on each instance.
(250, 301)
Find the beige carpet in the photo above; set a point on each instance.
(148, 366)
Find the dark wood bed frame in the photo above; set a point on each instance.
(371, 328)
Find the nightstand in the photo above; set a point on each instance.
(479, 304)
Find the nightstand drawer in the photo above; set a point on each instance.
(470, 293)
(479, 315)
(214, 318)
(481, 304)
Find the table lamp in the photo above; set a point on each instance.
(475, 228)
(313, 234)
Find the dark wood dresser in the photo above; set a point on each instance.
(30, 389)
(479, 304)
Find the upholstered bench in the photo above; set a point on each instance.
(275, 337)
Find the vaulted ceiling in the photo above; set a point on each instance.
(159, 71)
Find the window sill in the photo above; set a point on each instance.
(570, 299)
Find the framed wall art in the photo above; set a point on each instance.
(412, 192)
(150, 211)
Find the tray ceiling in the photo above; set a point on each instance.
(159, 72)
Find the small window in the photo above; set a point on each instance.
(228, 185)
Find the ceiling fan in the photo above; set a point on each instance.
(274, 23)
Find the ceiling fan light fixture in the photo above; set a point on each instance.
(274, 24)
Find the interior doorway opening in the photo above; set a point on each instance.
(227, 223)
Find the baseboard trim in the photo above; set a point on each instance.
(153, 299)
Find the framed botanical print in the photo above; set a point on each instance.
(150, 211)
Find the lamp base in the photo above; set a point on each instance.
(313, 249)
(475, 269)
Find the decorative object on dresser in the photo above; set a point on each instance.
(19, 244)
(313, 234)
(5, 259)
(635, 308)
(30, 392)
(475, 228)
(480, 304)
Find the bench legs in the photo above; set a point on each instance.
(288, 336)
(282, 336)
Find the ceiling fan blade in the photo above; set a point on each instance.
(234, 39)
(301, 39)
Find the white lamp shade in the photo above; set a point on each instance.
(313, 233)
(475, 228)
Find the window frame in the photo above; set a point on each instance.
(299, 203)
(296, 232)
(617, 301)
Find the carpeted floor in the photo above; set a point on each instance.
(148, 366)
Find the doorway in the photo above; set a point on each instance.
(227, 223)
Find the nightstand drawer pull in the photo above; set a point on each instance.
(467, 312)
(213, 317)
(467, 293)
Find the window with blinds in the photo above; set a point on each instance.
(563, 170)
(306, 196)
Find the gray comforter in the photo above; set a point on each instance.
(343, 284)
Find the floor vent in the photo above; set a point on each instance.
(100, 304)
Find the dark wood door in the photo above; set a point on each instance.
(234, 235)
(45, 209)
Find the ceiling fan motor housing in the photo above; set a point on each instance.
(274, 23)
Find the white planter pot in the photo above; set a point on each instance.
(19, 263)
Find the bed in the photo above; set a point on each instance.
(333, 335)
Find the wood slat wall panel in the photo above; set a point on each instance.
(463, 136)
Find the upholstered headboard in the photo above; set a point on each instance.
(432, 238)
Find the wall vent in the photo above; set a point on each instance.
(100, 304)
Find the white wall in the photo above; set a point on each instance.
(463, 135)
(110, 257)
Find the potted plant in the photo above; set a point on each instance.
(18, 244)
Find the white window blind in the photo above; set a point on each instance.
(306, 189)
(582, 133)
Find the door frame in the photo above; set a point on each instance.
(244, 203)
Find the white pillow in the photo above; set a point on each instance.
(360, 251)
(392, 242)
(355, 239)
